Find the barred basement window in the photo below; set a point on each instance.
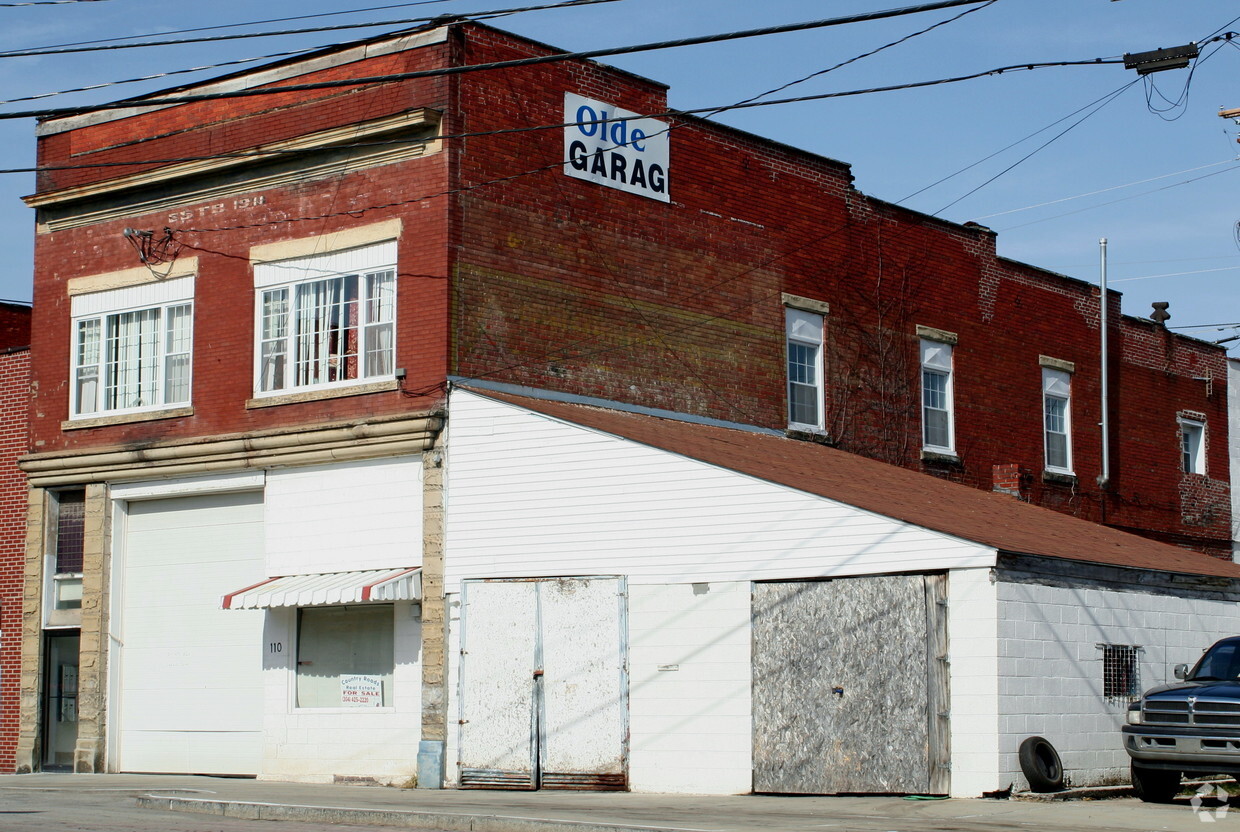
(1120, 672)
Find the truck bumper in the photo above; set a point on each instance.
(1208, 750)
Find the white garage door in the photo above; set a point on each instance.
(190, 672)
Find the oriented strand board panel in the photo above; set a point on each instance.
(840, 686)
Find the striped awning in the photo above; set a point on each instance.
(333, 588)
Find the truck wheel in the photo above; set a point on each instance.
(1040, 764)
(1154, 785)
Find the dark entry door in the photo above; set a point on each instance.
(60, 700)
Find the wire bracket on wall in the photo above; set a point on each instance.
(155, 252)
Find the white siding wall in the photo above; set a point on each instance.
(339, 518)
(690, 727)
(1050, 668)
(530, 496)
(972, 629)
(315, 745)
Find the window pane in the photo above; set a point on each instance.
(86, 376)
(177, 352)
(335, 642)
(803, 388)
(1055, 421)
(70, 530)
(936, 428)
(936, 410)
(326, 331)
(132, 359)
(1056, 450)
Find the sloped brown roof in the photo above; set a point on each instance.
(992, 519)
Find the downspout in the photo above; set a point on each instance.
(1104, 480)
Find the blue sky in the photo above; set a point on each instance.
(1155, 170)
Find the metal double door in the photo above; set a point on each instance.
(543, 684)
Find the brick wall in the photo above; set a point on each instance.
(569, 285)
(512, 271)
(14, 405)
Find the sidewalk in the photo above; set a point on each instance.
(549, 811)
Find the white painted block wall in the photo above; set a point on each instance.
(691, 728)
(317, 744)
(345, 517)
(1050, 668)
(972, 629)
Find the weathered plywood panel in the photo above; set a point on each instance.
(840, 686)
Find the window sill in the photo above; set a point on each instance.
(126, 418)
(317, 395)
(1060, 477)
(939, 457)
(806, 434)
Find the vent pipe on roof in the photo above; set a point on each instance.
(1104, 479)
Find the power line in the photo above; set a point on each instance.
(28, 53)
(1108, 190)
(519, 62)
(158, 75)
(46, 3)
(237, 25)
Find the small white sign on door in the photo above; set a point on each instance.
(358, 691)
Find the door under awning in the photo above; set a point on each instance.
(332, 588)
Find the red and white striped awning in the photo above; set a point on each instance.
(333, 588)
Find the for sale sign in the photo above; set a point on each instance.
(615, 148)
(357, 691)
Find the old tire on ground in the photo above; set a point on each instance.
(1154, 785)
(1040, 764)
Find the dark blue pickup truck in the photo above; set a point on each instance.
(1189, 727)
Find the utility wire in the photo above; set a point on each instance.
(238, 25)
(158, 75)
(27, 53)
(454, 70)
(46, 3)
(1108, 190)
(520, 62)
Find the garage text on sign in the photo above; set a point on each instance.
(614, 147)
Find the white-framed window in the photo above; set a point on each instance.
(132, 348)
(804, 351)
(1057, 419)
(1192, 446)
(326, 320)
(345, 656)
(937, 417)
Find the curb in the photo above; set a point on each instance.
(386, 817)
(1082, 793)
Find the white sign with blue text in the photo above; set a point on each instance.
(616, 148)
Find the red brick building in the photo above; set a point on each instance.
(495, 226)
(14, 442)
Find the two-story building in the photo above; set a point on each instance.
(14, 442)
(265, 303)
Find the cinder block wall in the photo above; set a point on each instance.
(1051, 668)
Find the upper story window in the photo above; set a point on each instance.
(1192, 446)
(326, 320)
(1056, 419)
(805, 388)
(937, 417)
(132, 348)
